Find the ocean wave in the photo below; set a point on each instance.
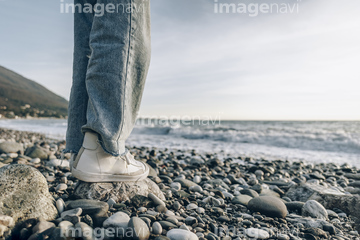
(307, 138)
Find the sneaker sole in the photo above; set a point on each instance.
(96, 178)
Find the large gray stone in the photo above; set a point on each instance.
(268, 205)
(313, 208)
(119, 191)
(305, 191)
(25, 194)
(11, 147)
(330, 198)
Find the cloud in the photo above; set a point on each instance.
(290, 66)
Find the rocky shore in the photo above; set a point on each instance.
(187, 196)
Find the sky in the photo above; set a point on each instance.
(298, 64)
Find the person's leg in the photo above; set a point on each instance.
(119, 62)
(78, 97)
(115, 78)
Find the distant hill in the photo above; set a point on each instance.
(20, 96)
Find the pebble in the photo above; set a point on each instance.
(139, 228)
(185, 182)
(197, 179)
(35, 160)
(176, 205)
(204, 193)
(200, 210)
(61, 187)
(60, 205)
(191, 206)
(90, 207)
(58, 163)
(269, 206)
(257, 233)
(118, 219)
(72, 212)
(142, 209)
(241, 199)
(111, 202)
(313, 208)
(156, 200)
(167, 224)
(42, 226)
(156, 228)
(190, 220)
(180, 234)
(176, 186)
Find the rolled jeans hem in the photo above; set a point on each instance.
(114, 148)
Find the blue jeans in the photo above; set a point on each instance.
(111, 61)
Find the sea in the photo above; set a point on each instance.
(309, 141)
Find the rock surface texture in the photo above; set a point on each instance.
(120, 191)
(25, 194)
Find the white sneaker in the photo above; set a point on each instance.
(93, 164)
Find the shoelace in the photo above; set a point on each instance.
(127, 159)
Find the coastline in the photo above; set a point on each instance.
(211, 194)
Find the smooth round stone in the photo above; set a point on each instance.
(250, 192)
(142, 209)
(197, 179)
(12, 155)
(168, 194)
(65, 225)
(190, 220)
(257, 233)
(58, 163)
(61, 187)
(50, 178)
(200, 210)
(228, 195)
(35, 160)
(176, 186)
(90, 207)
(72, 212)
(176, 205)
(185, 183)
(60, 205)
(269, 206)
(241, 199)
(42, 226)
(191, 206)
(167, 224)
(156, 200)
(156, 228)
(196, 188)
(314, 209)
(140, 229)
(184, 227)
(180, 234)
(119, 219)
(161, 238)
(211, 200)
(173, 220)
(169, 213)
(259, 173)
(283, 237)
(294, 206)
(111, 202)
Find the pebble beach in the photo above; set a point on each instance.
(200, 196)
